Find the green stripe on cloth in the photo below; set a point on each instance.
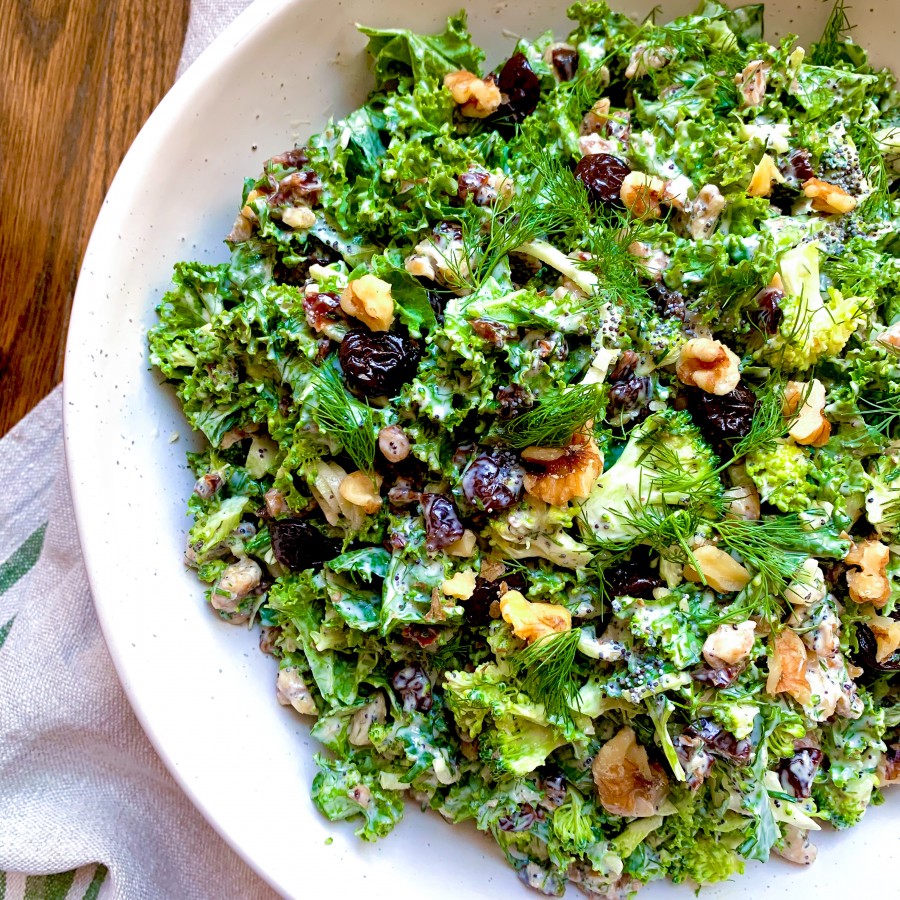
(48, 887)
(4, 634)
(22, 560)
(94, 886)
(2, 885)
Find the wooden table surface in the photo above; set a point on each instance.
(79, 79)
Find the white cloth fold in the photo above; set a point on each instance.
(80, 784)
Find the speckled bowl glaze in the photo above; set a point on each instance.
(202, 690)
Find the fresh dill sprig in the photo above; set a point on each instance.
(827, 50)
(770, 424)
(766, 545)
(558, 415)
(670, 477)
(880, 411)
(546, 672)
(874, 167)
(344, 418)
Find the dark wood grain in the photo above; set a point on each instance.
(78, 79)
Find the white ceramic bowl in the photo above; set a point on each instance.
(202, 690)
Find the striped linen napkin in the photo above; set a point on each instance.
(87, 809)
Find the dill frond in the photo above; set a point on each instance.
(342, 416)
(546, 672)
(827, 50)
(558, 415)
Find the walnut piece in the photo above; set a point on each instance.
(464, 547)
(704, 212)
(369, 300)
(567, 473)
(476, 97)
(729, 644)
(533, 621)
(869, 583)
(461, 585)
(291, 690)
(301, 217)
(627, 783)
(752, 83)
(809, 425)
(797, 847)
(828, 198)
(765, 173)
(359, 489)
(787, 667)
(720, 571)
(887, 636)
(708, 365)
(642, 194)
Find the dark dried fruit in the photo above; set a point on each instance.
(297, 545)
(769, 314)
(442, 525)
(317, 253)
(717, 678)
(553, 784)
(522, 88)
(423, 635)
(627, 396)
(378, 363)
(798, 773)
(522, 819)
(321, 309)
(602, 175)
(475, 184)
(493, 482)
(694, 758)
(478, 607)
(721, 742)
(892, 764)
(633, 578)
(513, 400)
(625, 366)
(565, 61)
(669, 304)
(799, 166)
(495, 332)
(298, 187)
(522, 268)
(291, 159)
(414, 688)
(729, 417)
(867, 657)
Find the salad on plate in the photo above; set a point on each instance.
(553, 420)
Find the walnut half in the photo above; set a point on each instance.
(828, 198)
(787, 667)
(533, 621)
(564, 473)
(869, 583)
(708, 365)
(369, 300)
(627, 783)
(476, 97)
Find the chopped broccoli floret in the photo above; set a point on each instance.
(780, 473)
(813, 327)
(883, 497)
(665, 462)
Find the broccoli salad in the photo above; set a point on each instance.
(553, 421)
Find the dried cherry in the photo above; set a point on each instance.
(321, 309)
(726, 417)
(721, 742)
(378, 363)
(521, 87)
(798, 773)
(513, 400)
(867, 657)
(304, 186)
(493, 481)
(297, 545)
(602, 174)
(565, 62)
(769, 314)
(442, 524)
(521, 820)
(414, 688)
(669, 304)
(633, 578)
(478, 606)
